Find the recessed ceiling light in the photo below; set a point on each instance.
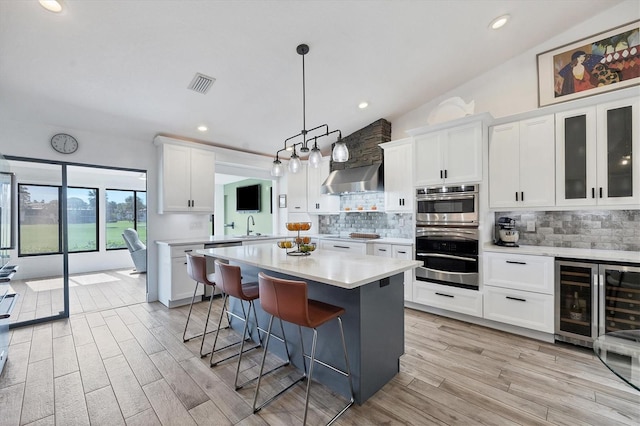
(54, 6)
(499, 22)
(203, 128)
(363, 105)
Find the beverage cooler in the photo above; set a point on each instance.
(593, 299)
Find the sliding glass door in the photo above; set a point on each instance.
(70, 250)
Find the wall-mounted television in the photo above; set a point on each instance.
(248, 198)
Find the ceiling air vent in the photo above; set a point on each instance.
(201, 83)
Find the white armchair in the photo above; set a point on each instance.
(137, 249)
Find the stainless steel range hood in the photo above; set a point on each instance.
(357, 179)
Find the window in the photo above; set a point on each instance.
(40, 228)
(82, 216)
(125, 209)
(39, 219)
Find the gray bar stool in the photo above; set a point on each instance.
(287, 300)
(197, 270)
(230, 281)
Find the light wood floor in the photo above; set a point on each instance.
(92, 291)
(129, 366)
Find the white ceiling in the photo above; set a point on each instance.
(122, 67)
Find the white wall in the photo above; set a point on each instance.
(512, 87)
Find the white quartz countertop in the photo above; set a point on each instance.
(216, 239)
(236, 239)
(326, 266)
(572, 253)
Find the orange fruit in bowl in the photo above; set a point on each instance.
(298, 240)
(305, 226)
(306, 240)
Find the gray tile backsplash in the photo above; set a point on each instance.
(597, 229)
(391, 225)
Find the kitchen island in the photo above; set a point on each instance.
(370, 288)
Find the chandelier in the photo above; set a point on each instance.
(303, 139)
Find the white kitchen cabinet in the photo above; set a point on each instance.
(351, 247)
(398, 176)
(519, 271)
(449, 156)
(186, 179)
(398, 251)
(522, 163)
(520, 308)
(519, 290)
(449, 298)
(317, 202)
(406, 253)
(596, 155)
(175, 287)
(297, 190)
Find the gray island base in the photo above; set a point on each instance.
(373, 322)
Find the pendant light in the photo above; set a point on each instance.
(315, 156)
(340, 152)
(294, 162)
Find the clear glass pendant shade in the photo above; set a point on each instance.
(277, 169)
(340, 152)
(294, 163)
(315, 158)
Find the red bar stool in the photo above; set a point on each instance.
(287, 300)
(197, 270)
(230, 281)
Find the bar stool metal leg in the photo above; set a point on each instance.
(229, 315)
(283, 340)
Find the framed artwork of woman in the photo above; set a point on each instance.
(600, 63)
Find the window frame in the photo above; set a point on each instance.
(97, 221)
(135, 214)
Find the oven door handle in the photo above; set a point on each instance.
(447, 256)
(444, 197)
(448, 272)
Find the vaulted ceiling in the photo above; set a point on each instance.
(123, 67)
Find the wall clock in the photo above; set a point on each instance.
(64, 144)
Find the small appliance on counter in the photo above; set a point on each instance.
(506, 234)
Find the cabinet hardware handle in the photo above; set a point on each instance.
(188, 251)
(600, 192)
(402, 252)
(382, 249)
(344, 247)
(445, 295)
(296, 207)
(516, 195)
(440, 174)
(445, 173)
(515, 262)
(522, 196)
(593, 193)
(516, 299)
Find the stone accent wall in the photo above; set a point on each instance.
(597, 229)
(363, 145)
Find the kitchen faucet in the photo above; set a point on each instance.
(253, 222)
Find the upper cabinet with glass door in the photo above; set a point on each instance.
(597, 155)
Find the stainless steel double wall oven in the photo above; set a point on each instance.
(447, 235)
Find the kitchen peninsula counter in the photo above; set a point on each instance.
(371, 290)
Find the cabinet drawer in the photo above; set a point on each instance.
(450, 298)
(520, 308)
(179, 251)
(182, 286)
(344, 246)
(520, 272)
(383, 250)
